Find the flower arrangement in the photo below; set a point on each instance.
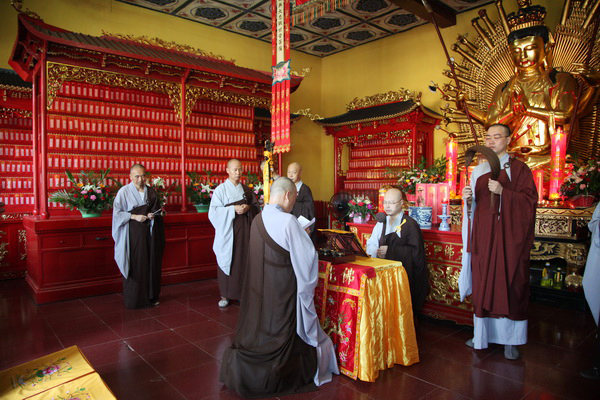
(90, 192)
(162, 190)
(583, 180)
(200, 190)
(408, 179)
(360, 207)
(253, 182)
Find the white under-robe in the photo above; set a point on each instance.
(591, 276)
(128, 198)
(221, 218)
(286, 231)
(486, 330)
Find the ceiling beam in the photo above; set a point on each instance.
(444, 15)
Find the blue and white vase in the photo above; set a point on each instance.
(422, 215)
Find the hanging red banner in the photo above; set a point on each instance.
(280, 90)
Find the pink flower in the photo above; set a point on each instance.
(203, 190)
(83, 191)
(93, 197)
(98, 191)
(582, 186)
(578, 180)
(50, 370)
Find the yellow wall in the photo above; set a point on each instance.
(408, 60)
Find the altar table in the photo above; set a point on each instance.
(365, 308)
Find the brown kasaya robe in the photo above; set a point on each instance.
(501, 240)
(267, 357)
(230, 286)
(410, 250)
(142, 286)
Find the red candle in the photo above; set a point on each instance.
(558, 154)
(538, 178)
(451, 161)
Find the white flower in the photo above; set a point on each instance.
(158, 182)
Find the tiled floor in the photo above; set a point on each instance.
(173, 351)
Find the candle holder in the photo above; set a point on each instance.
(444, 225)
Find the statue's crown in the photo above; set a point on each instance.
(526, 17)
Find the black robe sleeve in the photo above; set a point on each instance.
(410, 250)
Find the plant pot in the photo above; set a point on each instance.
(582, 200)
(89, 214)
(202, 208)
(359, 219)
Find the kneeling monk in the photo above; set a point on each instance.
(399, 238)
(279, 347)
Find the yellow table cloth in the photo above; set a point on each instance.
(383, 322)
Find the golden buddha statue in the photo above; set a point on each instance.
(537, 94)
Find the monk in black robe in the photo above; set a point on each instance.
(138, 232)
(279, 347)
(305, 205)
(398, 237)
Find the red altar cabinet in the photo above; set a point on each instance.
(16, 177)
(390, 130)
(112, 101)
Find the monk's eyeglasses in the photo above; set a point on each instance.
(391, 203)
(495, 137)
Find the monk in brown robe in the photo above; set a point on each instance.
(233, 206)
(279, 347)
(497, 252)
(138, 232)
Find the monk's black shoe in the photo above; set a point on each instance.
(592, 373)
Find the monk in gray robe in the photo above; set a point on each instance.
(233, 206)
(279, 347)
(138, 232)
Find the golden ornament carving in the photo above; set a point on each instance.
(233, 98)
(307, 112)
(304, 72)
(18, 5)
(383, 98)
(561, 223)
(22, 235)
(7, 112)
(3, 249)
(13, 216)
(165, 44)
(449, 250)
(574, 254)
(59, 73)
(72, 55)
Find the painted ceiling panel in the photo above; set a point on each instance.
(357, 23)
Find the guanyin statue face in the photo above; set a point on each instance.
(528, 53)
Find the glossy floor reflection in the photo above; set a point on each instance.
(173, 351)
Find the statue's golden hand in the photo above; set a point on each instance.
(518, 100)
(590, 75)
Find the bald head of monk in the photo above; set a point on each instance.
(392, 202)
(283, 193)
(294, 172)
(234, 170)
